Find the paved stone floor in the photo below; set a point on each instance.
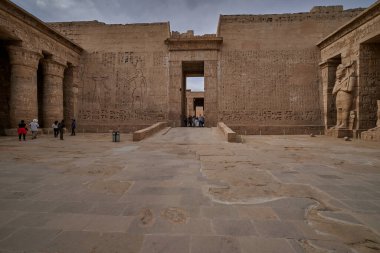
(187, 190)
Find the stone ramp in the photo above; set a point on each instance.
(187, 136)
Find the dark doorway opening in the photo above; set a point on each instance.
(5, 79)
(192, 91)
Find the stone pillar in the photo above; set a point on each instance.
(23, 102)
(70, 93)
(175, 93)
(211, 93)
(328, 70)
(52, 91)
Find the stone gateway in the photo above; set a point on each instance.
(263, 74)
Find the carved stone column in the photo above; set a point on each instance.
(70, 93)
(52, 91)
(23, 90)
(328, 70)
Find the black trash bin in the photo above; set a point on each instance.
(115, 136)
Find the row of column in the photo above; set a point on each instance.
(23, 93)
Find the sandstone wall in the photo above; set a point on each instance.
(123, 74)
(269, 75)
(369, 91)
(359, 41)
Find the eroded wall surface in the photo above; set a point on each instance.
(269, 75)
(123, 75)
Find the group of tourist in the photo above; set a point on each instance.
(193, 121)
(58, 129)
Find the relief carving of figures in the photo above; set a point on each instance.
(344, 85)
(138, 86)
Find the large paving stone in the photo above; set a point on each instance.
(265, 245)
(74, 242)
(29, 240)
(234, 227)
(166, 243)
(108, 223)
(215, 244)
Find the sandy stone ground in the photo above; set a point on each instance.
(188, 190)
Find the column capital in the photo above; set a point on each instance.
(21, 56)
(53, 67)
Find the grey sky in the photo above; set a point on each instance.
(198, 15)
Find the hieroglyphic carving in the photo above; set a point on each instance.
(284, 81)
(369, 84)
(116, 87)
(280, 116)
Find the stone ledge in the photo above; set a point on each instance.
(371, 135)
(339, 133)
(146, 132)
(231, 135)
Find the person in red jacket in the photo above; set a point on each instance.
(22, 130)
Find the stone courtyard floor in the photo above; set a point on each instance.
(187, 190)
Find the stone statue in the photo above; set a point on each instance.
(344, 84)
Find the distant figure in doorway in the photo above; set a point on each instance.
(201, 121)
(190, 121)
(34, 128)
(22, 130)
(73, 127)
(55, 128)
(61, 127)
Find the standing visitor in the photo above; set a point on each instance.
(61, 127)
(201, 121)
(73, 127)
(189, 121)
(22, 130)
(55, 128)
(34, 128)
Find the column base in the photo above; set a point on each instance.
(339, 133)
(371, 135)
(10, 132)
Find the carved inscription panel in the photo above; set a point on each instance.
(270, 87)
(369, 90)
(123, 88)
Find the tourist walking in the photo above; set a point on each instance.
(34, 128)
(73, 127)
(61, 127)
(22, 130)
(55, 128)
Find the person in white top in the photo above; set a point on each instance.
(34, 128)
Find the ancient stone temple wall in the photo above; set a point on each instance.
(357, 43)
(269, 73)
(123, 75)
(369, 91)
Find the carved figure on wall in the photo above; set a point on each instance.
(138, 86)
(344, 85)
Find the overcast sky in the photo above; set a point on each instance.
(198, 15)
